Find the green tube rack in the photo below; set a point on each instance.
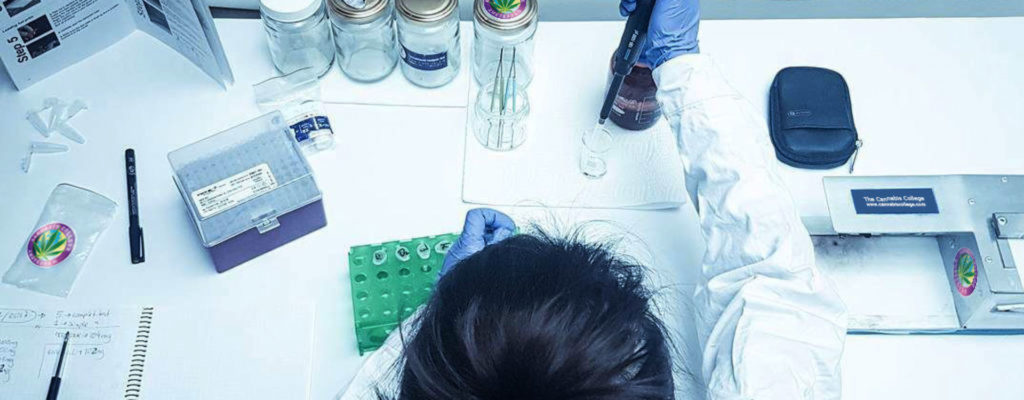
(389, 281)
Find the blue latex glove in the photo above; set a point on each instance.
(672, 32)
(483, 228)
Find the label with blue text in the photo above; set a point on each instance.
(425, 62)
(895, 201)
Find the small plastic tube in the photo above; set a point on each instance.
(57, 109)
(70, 132)
(38, 123)
(76, 106)
(47, 148)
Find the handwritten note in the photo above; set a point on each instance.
(100, 340)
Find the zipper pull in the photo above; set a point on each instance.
(853, 162)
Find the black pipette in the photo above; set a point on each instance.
(630, 47)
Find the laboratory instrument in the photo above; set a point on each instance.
(499, 27)
(631, 46)
(54, 390)
(248, 190)
(428, 38)
(390, 280)
(365, 38)
(40, 148)
(298, 35)
(636, 106)
(136, 243)
(297, 97)
(596, 143)
(502, 110)
(973, 218)
(58, 246)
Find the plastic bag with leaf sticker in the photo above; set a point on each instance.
(59, 244)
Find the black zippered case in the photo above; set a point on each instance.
(811, 118)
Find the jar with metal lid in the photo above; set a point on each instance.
(298, 34)
(364, 38)
(428, 38)
(503, 32)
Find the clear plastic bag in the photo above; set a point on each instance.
(60, 242)
(297, 96)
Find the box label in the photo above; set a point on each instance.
(894, 201)
(230, 192)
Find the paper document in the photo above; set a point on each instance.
(158, 352)
(40, 38)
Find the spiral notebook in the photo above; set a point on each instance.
(158, 353)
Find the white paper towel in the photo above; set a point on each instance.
(644, 169)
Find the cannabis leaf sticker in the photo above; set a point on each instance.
(966, 271)
(49, 244)
(505, 6)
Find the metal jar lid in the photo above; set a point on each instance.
(505, 14)
(370, 10)
(426, 10)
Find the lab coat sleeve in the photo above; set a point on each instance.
(770, 325)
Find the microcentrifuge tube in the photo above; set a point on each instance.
(73, 109)
(47, 148)
(57, 109)
(40, 148)
(68, 131)
(38, 123)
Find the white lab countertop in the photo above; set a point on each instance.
(930, 97)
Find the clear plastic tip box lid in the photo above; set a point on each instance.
(243, 178)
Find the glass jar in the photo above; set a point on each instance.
(364, 38)
(428, 36)
(636, 106)
(503, 32)
(298, 34)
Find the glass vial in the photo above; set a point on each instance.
(428, 38)
(503, 30)
(298, 34)
(636, 106)
(364, 38)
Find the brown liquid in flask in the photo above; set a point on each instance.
(636, 108)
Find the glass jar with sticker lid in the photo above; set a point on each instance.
(428, 38)
(364, 37)
(298, 35)
(503, 35)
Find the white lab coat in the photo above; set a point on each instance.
(770, 325)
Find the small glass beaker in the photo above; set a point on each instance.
(500, 117)
(596, 144)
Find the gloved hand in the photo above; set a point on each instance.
(483, 227)
(672, 32)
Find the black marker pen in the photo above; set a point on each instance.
(135, 239)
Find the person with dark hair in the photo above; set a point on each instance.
(533, 317)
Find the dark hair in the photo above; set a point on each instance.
(537, 317)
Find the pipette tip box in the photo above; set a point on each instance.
(248, 190)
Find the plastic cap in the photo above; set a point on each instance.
(289, 10)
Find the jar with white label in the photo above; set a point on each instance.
(298, 34)
(503, 32)
(365, 38)
(428, 38)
